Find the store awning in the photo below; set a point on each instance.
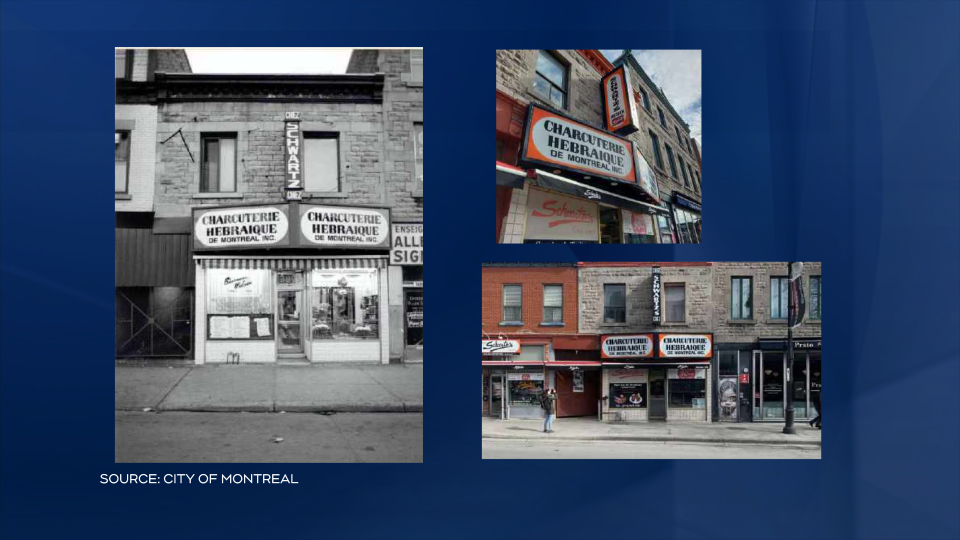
(671, 363)
(510, 176)
(292, 263)
(572, 187)
(689, 203)
(511, 364)
(145, 259)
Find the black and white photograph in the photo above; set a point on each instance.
(269, 255)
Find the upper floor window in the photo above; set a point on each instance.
(615, 303)
(553, 303)
(124, 63)
(676, 296)
(683, 170)
(418, 144)
(688, 144)
(742, 298)
(679, 138)
(512, 303)
(644, 99)
(815, 298)
(123, 161)
(698, 178)
(696, 185)
(416, 66)
(656, 149)
(550, 79)
(321, 162)
(218, 163)
(673, 163)
(663, 120)
(779, 298)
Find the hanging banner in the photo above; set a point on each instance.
(637, 346)
(500, 347)
(799, 308)
(240, 227)
(345, 226)
(554, 141)
(619, 108)
(686, 346)
(556, 217)
(656, 295)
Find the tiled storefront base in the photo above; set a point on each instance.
(613, 415)
(345, 351)
(250, 352)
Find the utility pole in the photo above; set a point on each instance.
(788, 429)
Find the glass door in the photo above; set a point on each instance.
(288, 331)
(658, 404)
(771, 381)
(496, 396)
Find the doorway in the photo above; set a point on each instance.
(496, 396)
(289, 331)
(658, 402)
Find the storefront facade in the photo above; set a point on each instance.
(577, 164)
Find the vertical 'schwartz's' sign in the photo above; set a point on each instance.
(499, 347)
(656, 295)
(640, 346)
(686, 346)
(343, 226)
(406, 247)
(620, 110)
(293, 156)
(555, 141)
(240, 227)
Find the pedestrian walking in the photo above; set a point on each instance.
(548, 402)
(816, 403)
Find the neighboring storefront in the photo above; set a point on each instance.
(656, 377)
(687, 218)
(267, 290)
(407, 253)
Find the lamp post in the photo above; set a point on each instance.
(788, 429)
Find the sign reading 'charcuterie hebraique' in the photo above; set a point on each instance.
(638, 346)
(344, 226)
(686, 346)
(240, 227)
(555, 141)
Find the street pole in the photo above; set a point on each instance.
(788, 429)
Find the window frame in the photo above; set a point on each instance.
(128, 65)
(683, 171)
(679, 138)
(545, 321)
(645, 100)
(126, 180)
(673, 163)
(819, 297)
(733, 280)
(566, 79)
(218, 135)
(666, 302)
(783, 308)
(321, 135)
(504, 306)
(623, 308)
(656, 149)
(663, 119)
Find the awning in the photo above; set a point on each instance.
(799, 344)
(569, 363)
(511, 364)
(510, 176)
(292, 263)
(572, 187)
(671, 363)
(683, 201)
(145, 259)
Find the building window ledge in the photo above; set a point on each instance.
(674, 324)
(218, 195)
(741, 321)
(813, 321)
(554, 324)
(512, 323)
(614, 325)
(777, 321)
(418, 194)
(325, 195)
(124, 196)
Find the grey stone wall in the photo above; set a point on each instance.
(402, 107)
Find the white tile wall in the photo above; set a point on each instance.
(512, 231)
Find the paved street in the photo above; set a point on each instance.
(520, 449)
(236, 437)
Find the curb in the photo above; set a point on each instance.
(326, 408)
(618, 438)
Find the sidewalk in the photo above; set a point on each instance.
(590, 429)
(270, 388)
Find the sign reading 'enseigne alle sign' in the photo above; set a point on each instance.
(240, 227)
(406, 246)
(639, 346)
(555, 141)
(686, 346)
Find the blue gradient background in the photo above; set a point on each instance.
(831, 133)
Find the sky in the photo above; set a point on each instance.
(269, 61)
(677, 73)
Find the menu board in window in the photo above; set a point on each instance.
(248, 326)
(628, 396)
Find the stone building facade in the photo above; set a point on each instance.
(663, 141)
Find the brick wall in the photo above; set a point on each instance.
(532, 279)
(143, 139)
(761, 326)
(639, 287)
(402, 107)
(260, 168)
(173, 61)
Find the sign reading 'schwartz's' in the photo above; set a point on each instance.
(293, 155)
(619, 108)
(554, 141)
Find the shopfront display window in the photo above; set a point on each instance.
(666, 233)
(344, 305)
(800, 385)
(688, 393)
(239, 304)
(638, 228)
(772, 376)
(609, 225)
(628, 396)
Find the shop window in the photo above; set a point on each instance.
(682, 228)
(609, 225)
(688, 393)
(645, 99)
(123, 161)
(741, 298)
(779, 298)
(683, 170)
(666, 233)
(663, 121)
(238, 292)
(628, 395)
(815, 298)
(615, 303)
(345, 305)
(728, 363)
(512, 303)
(418, 153)
(638, 228)
(218, 163)
(673, 163)
(676, 295)
(772, 395)
(656, 148)
(321, 162)
(550, 79)
(553, 304)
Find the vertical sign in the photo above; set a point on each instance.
(620, 110)
(293, 156)
(656, 295)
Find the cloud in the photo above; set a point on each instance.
(677, 73)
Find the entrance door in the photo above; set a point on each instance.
(289, 327)
(658, 403)
(413, 311)
(496, 396)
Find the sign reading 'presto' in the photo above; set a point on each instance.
(554, 141)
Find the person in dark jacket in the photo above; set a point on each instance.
(816, 403)
(548, 402)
